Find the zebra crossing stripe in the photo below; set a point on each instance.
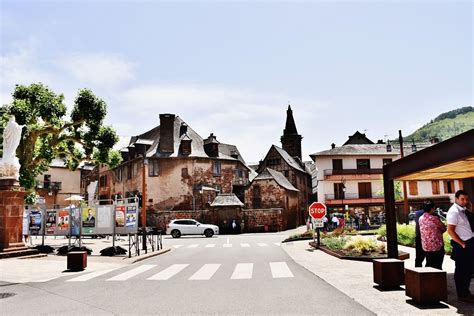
(206, 272)
(210, 245)
(277, 244)
(227, 245)
(168, 272)
(280, 270)
(129, 274)
(193, 246)
(177, 246)
(244, 245)
(242, 271)
(262, 244)
(90, 276)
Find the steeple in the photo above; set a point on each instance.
(291, 140)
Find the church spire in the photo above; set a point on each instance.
(291, 141)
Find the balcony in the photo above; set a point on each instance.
(353, 174)
(353, 198)
(53, 186)
(240, 181)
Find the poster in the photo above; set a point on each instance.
(104, 217)
(131, 218)
(35, 222)
(88, 220)
(50, 222)
(120, 216)
(75, 221)
(63, 220)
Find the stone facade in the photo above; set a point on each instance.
(11, 217)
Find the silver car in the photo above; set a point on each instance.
(178, 227)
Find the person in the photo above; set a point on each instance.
(462, 241)
(308, 224)
(90, 216)
(420, 254)
(242, 226)
(234, 225)
(325, 223)
(431, 234)
(342, 222)
(356, 221)
(61, 222)
(335, 221)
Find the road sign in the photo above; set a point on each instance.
(318, 223)
(317, 210)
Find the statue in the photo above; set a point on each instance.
(91, 189)
(9, 164)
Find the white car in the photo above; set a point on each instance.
(178, 227)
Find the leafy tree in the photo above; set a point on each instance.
(49, 134)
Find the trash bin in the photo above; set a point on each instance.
(76, 260)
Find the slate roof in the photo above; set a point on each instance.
(226, 199)
(289, 160)
(270, 174)
(369, 149)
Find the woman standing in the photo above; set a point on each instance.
(431, 230)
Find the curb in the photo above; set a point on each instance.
(146, 256)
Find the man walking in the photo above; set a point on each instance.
(420, 254)
(462, 240)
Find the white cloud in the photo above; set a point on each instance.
(106, 70)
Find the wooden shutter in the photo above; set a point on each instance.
(413, 185)
(435, 186)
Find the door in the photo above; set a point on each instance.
(365, 190)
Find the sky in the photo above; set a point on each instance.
(232, 67)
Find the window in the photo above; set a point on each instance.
(337, 164)
(129, 171)
(103, 181)
(365, 190)
(256, 197)
(118, 174)
(363, 164)
(218, 188)
(46, 181)
(216, 168)
(239, 173)
(448, 186)
(413, 187)
(435, 186)
(461, 184)
(184, 172)
(386, 161)
(153, 168)
(287, 173)
(339, 191)
(274, 162)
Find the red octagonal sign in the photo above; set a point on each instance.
(317, 210)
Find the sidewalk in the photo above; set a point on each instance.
(18, 270)
(355, 279)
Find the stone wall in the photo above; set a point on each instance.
(11, 217)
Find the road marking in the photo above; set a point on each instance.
(244, 245)
(210, 245)
(168, 272)
(227, 240)
(129, 274)
(89, 276)
(242, 271)
(277, 244)
(262, 244)
(177, 246)
(227, 245)
(206, 272)
(193, 246)
(280, 270)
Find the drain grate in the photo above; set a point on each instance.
(6, 295)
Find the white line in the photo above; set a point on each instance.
(210, 245)
(206, 272)
(277, 244)
(262, 244)
(280, 270)
(177, 246)
(227, 245)
(244, 245)
(193, 246)
(168, 272)
(89, 276)
(129, 274)
(242, 271)
(227, 240)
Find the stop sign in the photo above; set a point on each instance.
(317, 210)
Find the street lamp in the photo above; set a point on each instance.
(343, 193)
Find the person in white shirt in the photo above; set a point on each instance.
(462, 240)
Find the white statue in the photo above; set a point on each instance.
(91, 189)
(9, 164)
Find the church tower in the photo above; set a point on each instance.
(291, 141)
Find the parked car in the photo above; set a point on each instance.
(178, 227)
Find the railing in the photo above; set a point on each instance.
(333, 172)
(56, 186)
(352, 196)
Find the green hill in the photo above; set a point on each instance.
(445, 126)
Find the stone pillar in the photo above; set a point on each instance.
(11, 215)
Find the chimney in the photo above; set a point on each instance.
(234, 154)
(211, 146)
(183, 129)
(167, 133)
(333, 146)
(389, 146)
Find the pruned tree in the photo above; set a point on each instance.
(49, 134)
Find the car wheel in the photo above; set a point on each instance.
(208, 233)
(176, 233)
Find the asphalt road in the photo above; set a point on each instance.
(238, 274)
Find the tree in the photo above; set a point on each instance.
(398, 192)
(48, 134)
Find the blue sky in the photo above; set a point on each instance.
(230, 68)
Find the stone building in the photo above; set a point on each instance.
(288, 161)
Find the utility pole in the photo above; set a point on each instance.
(144, 199)
(404, 184)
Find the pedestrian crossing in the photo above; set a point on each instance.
(226, 245)
(205, 272)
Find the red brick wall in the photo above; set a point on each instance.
(11, 218)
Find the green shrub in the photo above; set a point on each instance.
(361, 245)
(406, 235)
(334, 243)
(447, 244)
(382, 231)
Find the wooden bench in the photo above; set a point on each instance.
(77, 260)
(426, 285)
(388, 273)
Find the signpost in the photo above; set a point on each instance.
(317, 211)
